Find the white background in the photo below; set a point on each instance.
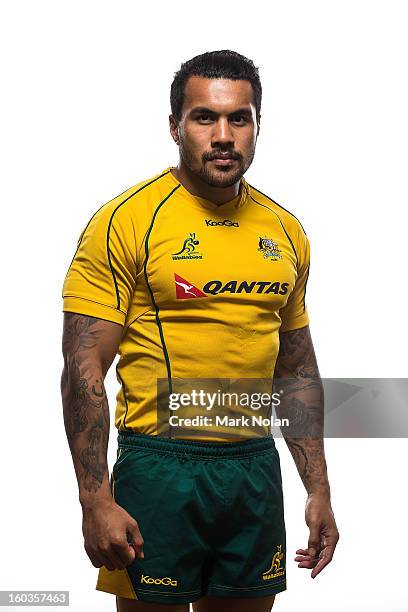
(85, 105)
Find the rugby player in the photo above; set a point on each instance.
(193, 273)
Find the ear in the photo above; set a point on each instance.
(174, 129)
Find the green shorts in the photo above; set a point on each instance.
(211, 516)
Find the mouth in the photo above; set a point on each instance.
(223, 159)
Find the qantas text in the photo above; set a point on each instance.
(233, 286)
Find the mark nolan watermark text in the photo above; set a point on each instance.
(225, 421)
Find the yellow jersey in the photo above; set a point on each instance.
(201, 290)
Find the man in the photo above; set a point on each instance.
(193, 274)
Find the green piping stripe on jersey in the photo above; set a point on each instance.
(159, 325)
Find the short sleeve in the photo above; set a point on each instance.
(101, 279)
(294, 315)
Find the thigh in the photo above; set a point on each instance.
(158, 490)
(234, 604)
(249, 557)
(130, 605)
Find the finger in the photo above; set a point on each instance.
(124, 551)
(304, 555)
(131, 553)
(326, 557)
(136, 539)
(309, 564)
(112, 561)
(137, 546)
(313, 545)
(306, 560)
(95, 558)
(137, 550)
(134, 531)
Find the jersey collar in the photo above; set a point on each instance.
(231, 206)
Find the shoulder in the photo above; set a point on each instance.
(139, 192)
(130, 206)
(288, 219)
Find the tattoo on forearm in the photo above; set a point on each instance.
(308, 455)
(90, 456)
(302, 403)
(86, 410)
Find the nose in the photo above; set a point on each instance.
(222, 132)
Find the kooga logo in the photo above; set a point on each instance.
(226, 222)
(166, 581)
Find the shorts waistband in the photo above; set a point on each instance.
(196, 448)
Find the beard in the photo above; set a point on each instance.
(216, 177)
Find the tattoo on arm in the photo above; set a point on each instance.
(302, 403)
(86, 410)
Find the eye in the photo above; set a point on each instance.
(204, 118)
(238, 119)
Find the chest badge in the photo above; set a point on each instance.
(269, 249)
(188, 250)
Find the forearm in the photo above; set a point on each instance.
(309, 458)
(302, 403)
(86, 413)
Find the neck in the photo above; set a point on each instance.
(197, 187)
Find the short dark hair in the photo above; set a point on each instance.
(224, 64)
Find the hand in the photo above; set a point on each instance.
(106, 526)
(323, 535)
